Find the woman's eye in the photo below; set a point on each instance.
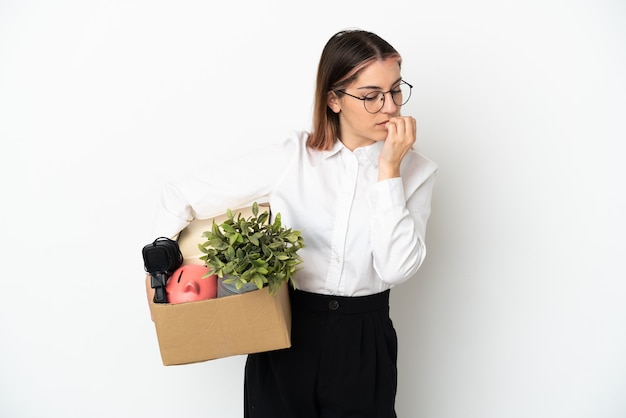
(373, 96)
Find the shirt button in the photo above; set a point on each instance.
(333, 305)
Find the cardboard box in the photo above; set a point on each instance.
(192, 332)
(241, 324)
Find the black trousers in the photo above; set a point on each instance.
(342, 362)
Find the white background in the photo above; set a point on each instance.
(518, 310)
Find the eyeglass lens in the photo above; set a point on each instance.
(375, 100)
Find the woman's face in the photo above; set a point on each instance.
(357, 126)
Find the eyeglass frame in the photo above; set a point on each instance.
(384, 93)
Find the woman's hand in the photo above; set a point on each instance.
(401, 135)
(150, 295)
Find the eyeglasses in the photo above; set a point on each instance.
(375, 100)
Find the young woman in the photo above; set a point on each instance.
(361, 195)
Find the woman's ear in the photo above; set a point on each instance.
(333, 102)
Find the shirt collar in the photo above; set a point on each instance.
(337, 146)
(372, 152)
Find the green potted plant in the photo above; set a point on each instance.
(250, 253)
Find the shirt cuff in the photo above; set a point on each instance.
(387, 194)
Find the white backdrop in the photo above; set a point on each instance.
(518, 311)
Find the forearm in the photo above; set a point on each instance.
(398, 228)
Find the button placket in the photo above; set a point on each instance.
(340, 227)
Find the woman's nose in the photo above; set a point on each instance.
(389, 106)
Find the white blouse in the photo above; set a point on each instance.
(362, 236)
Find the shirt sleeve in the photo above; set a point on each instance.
(224, 184)
(399, 215)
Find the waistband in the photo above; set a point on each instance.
(339, 304)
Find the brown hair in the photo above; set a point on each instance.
(344, 56)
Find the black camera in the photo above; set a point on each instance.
(161, 258)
